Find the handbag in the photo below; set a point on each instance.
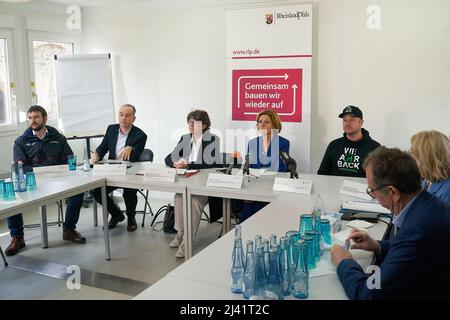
(167, 224)
(169, 220)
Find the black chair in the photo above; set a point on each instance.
(3, 257)
(215, 205)
(146, 155)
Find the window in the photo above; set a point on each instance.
(43, 46)
(4, 101)
(7, 96)
(44, 73)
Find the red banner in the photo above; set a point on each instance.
(276, 89)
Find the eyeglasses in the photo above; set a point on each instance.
(370, 191)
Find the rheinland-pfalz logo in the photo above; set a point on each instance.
(296, 15)
(270, 18)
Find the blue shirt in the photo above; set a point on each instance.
(440, 189)
(271, 159)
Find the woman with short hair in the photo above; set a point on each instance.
(199, 149)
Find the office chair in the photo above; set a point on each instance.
(146, 155)
(3, 257)
(215, 205)
(53, 223)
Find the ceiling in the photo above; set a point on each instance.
(95, 3)
(102, 7)
(82, 3)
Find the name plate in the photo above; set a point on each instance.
(292, 185)
(110, 170)
(224, 181)
(52, 171)
(160, 175)
(355, 189)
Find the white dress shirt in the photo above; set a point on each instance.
(196, 146)
(121, 140)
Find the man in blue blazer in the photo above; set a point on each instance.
(123, 141)
(415, 263)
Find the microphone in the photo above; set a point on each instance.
(290, 163)
(230, 168)
(246, 168)
(233, 158)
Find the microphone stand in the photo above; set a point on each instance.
(294, 174)
(248, 174)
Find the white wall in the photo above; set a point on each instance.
(165, 63)
(170, 61)
(399, 75)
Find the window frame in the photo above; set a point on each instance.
(50, 37)
(11, 93)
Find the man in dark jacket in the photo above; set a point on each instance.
(345, 156)
(42, 145)
(414, 264)
(123, 141)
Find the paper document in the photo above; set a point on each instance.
(358, 224)
(364, 207)
(355, 189)
(324, 266)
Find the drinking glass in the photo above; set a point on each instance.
(72, 162)
(30, 179)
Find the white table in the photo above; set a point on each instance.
(53, 189)
(260, 189)
(207, 274)
(134, 181)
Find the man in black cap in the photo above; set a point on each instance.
(345, 156)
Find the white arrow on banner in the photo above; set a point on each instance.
(294, 86)
(255, 77)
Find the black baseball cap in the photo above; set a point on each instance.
(355, 111)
